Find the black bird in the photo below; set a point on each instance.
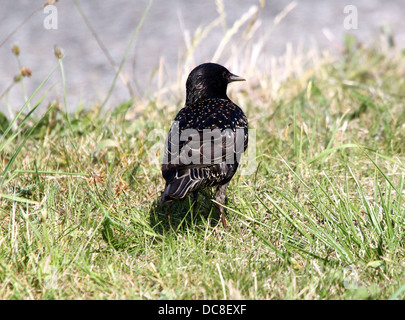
(206, 139)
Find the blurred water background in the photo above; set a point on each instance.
(163, 40)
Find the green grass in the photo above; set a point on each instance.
(322, 216)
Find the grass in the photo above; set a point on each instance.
(321, 217)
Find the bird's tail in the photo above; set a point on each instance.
(180, 186)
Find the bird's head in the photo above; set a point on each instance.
(208, 80)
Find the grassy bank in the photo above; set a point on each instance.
(321, 217)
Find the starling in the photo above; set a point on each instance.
(206, 139)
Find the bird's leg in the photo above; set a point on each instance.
(220, 197)
(195, 197)
(194, 201)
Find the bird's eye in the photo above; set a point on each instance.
(225, 75)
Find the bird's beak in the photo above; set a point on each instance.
(234, 77)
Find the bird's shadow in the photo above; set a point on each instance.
(179, 215)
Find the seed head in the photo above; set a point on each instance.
(57, 51)
(49, 2)
(25, 72)
(17, 78)
(16, 50)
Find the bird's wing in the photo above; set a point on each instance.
(202, 160)
(199, 148)
(207, 138)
